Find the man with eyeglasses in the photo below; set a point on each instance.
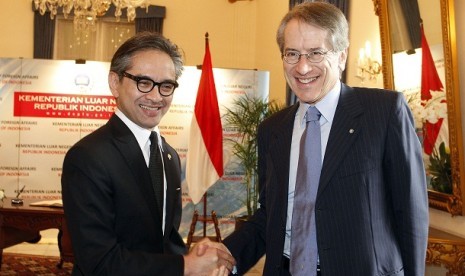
(343, 189)
(121, 184)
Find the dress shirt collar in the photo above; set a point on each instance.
(327, 106)
(141, 134)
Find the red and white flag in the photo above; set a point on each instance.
(204, 163)
(430, 81)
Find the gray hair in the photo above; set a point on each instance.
(320, 14)
(122, 58)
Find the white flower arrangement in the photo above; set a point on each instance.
(432, 110)
(2, 194)
(427, 110)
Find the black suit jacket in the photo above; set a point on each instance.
(371, 207)
(110, 207)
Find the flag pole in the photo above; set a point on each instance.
(205, 214)
(206, 96)
(205, 194)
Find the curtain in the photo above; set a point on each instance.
(400, 39)
(147, 19)
(151, 20)
(149, 24)
(411, 13)
(343, 5)
(404, 25)
(44, 35)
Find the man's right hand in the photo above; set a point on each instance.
(208, 258)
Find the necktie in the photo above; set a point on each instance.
(156, 171)
(304, 250)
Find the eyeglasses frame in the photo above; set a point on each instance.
(158, 84)
(324, 54)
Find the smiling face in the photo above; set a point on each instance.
(144, 109)
(311, 81)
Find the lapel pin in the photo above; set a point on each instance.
(351, 130)
(169, 156)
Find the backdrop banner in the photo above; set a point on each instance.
(48, 105)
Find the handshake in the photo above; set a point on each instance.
(208, 258)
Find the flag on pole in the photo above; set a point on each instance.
(430, 81)
(204, 163)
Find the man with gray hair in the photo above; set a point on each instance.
(341, 174)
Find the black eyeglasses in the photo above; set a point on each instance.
(145, 85)
(292, 57)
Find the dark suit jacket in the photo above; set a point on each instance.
(371, 207)
(110, 207)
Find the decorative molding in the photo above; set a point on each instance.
(382, 12)
(377, 7)
(447, 253)
(33, 222)
(453, 106)
(445, 202)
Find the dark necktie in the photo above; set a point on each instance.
(156, 171)
(304, 250)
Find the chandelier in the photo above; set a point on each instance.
(86, 11)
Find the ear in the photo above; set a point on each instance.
(114, 83)
(342, 60)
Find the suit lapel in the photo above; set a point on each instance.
(127, 144)
(171, 189)
(344, 131)
(280, 150)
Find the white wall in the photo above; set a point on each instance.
(364, 25)
(16, 28)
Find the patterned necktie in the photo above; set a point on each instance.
(304, 250)
(156, 171)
